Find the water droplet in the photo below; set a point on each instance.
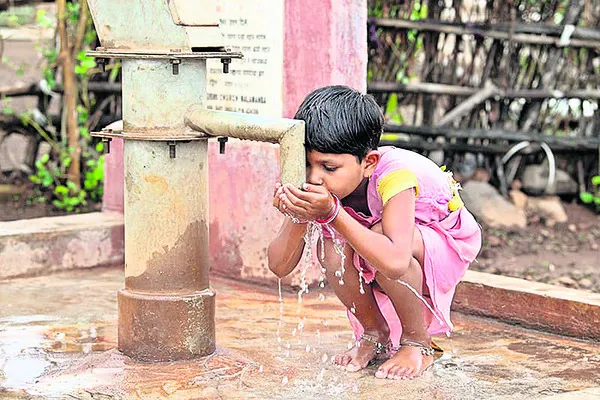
(260, 369)
(350, 344)
(321, 297)
(321, 374)
(362, 291)
(93, 333)
(294, 332)
(353, 308)
(325, 322)
(86, 348)
(287, 345)
(285, 380)
(355, 388)
(341, 282)
(308, 348)
(324, 358)
(338, 273)
(321, 284)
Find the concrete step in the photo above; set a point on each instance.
(44, 245)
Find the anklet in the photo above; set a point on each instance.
(425, 350)
(380, 348)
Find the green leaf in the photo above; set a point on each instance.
(66, 161)
(61, 190)
(392, 104)
(586, 197)
(8, 111)
(71, 185)
(597, 201)
(596, 180)
(45, 158)
(99, 147)
(113, 74)
(42, 19)
(47, 180)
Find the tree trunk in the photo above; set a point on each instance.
(70, 93)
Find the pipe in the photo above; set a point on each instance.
(550, 185)
(289, 133)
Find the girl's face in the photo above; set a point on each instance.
(341, 174)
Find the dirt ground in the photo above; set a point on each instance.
(17, 207)
(564, 254)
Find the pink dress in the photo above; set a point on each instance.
(452, 240)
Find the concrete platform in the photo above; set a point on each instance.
(43, 245)
(58, 339)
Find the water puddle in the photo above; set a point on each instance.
(28, 347)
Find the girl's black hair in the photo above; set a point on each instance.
(341, 120)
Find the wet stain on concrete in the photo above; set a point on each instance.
(179, 269)
(483, 358)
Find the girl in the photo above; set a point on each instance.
(405, 229)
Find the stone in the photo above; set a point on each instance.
(535, 179)
(585, 283)
(494, 241)
(481, 174)
(487, 205)
(567, 281)
(518, 198)
(572, 227)
(549, 207)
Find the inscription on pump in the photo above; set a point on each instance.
(254, 84)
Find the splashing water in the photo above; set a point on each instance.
(321, 374)
(422, 300)
(280, 322)
(339, 247)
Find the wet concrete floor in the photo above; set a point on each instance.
(58, 339)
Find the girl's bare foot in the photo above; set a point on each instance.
(408, 363)
(367, 348)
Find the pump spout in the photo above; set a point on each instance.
(289, 133)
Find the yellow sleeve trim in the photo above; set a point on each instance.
(396, 182)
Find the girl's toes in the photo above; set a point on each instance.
(353, 367)
(382, 372)
(399, 373)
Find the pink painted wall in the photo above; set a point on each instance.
(325, 43)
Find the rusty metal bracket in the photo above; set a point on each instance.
(151, 135)
(101, 53)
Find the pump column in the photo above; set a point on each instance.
(167, 308)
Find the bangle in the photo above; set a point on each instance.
(334, 214)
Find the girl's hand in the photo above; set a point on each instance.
(276, 197)
(314, 202)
